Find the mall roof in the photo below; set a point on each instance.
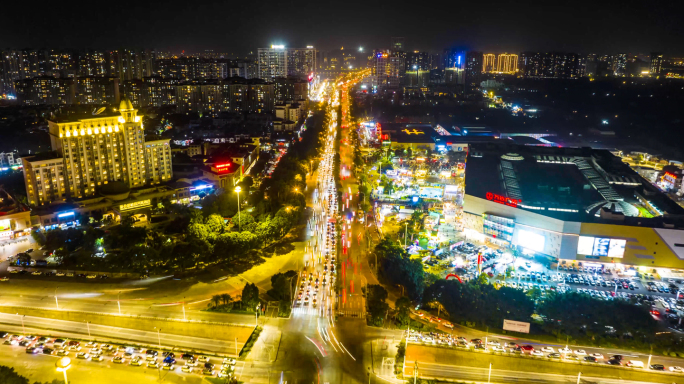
(571, 184)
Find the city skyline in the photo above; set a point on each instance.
(497, 28)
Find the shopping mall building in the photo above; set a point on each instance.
(572, 206)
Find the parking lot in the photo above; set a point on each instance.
(508, 346)
(526, 274)
(105, 354)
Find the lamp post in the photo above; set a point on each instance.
(238, 189)
(158, 336)
(118, 301)
(56, 302)
(405, 232)
(22, 323)
(256, 314)
(184, 309)
(62, 365)
(88, 326)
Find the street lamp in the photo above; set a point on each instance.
(256, 314)
(118, 301)
(184, 309)
(62, 365)
(158, 336)
(56, 302)
(237, 190)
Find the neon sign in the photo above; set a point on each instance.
(222, 167)
(502, 199)
(65, 214)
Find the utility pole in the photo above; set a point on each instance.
(415, 372)
(579, 376)
(56, 302)
(489, 376)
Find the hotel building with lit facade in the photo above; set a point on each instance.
(572, 206)
(91, 151)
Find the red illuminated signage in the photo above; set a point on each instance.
(671, 175)
(222, 167)
(503, 199)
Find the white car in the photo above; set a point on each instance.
(547, 350)
(203, 359)
(580, 352)
(537, 353)
(597, 355)
(676, 369)
(494, 342)
(497, 348)
(565, 350)
(187, 368)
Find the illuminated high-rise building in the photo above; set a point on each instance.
(272, 62)
(389, 69)
(656, 63)
(94, 151)
(301, 62)
(45, 90)
(550, 64)
(488, 63)
(507, 63)
(620, 64)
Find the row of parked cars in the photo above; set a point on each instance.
(546, 351)
(59, 273)
(134, 356)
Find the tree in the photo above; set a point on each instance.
(250, 297)
(216, 300)
(403, 305)
(580, 315)
(398, 268)
(199, 231)
(214, 224)
(10, 376)
(375, 301)
(282, 284)
(226, 298)
(480, 303)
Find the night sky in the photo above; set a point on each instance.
(241, 26)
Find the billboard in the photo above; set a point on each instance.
(516, 326)
(531, 240)
(5, 225)
(601, 246)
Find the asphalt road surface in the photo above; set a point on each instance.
(454, 372)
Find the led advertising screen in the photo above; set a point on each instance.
(531, 240)
(585, 246)
(601, 246)
(5, 225)
(616, 248)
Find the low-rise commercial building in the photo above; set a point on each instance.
(572, 206)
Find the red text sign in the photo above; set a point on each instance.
(502, 199)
